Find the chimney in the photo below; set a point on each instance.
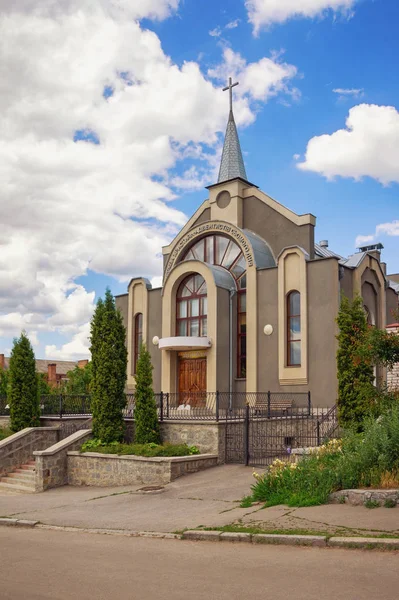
(323, 243)
(2, 361)
(82, 363)
(52, 373)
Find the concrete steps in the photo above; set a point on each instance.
(20, 480)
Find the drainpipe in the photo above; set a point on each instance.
(232, 292)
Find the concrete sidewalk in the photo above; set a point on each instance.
(209, 498)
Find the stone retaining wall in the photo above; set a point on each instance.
(94, 469)
(359, 497)
(18, 449)
(52, 463)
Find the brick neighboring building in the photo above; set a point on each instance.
(55, 371)
(393, 374)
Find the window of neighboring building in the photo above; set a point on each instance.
(294, 329)
(242, 327)
(192, 307)
(138, 337)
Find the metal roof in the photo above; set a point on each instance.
(325, 252)
(232, 163)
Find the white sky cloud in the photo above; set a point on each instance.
(66, 206)
(355, 92)
(233, 24)
(216, 32)
(390, 229)
(262, 13)
(368, 146)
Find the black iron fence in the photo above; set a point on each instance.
(254, 439)
(184, 406)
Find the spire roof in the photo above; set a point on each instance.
(232, 163)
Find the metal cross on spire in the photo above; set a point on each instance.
(230, 88)
(232, 163)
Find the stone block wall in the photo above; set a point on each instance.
(18, 449)
(52, 463)
(209, 437)
(94, 469)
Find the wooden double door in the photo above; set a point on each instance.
(192, 381)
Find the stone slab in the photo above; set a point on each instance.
(291, 540)
(229, 536)
(8, 522)
(368, 543)
(209, 536)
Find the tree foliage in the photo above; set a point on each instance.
(380, 347)
(23, 390)
(79, 380)
(43, 387)
(145, 412)
(109, 362)
(3, 382)
(355, 372)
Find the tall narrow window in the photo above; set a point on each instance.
(242, 328)
(192, 307)
(138, 338)
(294, 329)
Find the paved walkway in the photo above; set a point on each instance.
(209, 498)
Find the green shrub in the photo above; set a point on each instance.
(147, 450)
(389, 503)
(108, 370)
(145, 411)
(367, 459)
(4, 433)
(371, 504)
(22, 392)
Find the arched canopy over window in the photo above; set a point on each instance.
(192, 307)
(219, 250)
(138, 338)
(294, 329)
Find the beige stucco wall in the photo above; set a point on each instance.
(222, 357)
(122, 302)
(155, 329)
(392, 306)
(323, 298)
(275, 228)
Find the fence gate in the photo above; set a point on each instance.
(254, 437)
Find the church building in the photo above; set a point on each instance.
(249, 301)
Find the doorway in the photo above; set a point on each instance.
(192, 382)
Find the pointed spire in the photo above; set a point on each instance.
(232, 163)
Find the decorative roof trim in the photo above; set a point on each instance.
(307, 219)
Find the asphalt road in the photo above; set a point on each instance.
(39, 564)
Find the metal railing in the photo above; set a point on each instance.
(187, 406)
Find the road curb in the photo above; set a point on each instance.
(364, 543)
(17, 522)
(370, 543)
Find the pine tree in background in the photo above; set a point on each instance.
(355, 374)
(109, 362)
(145, 412)
(23, 393)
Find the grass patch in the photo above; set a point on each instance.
(371, 504)
(255, 530)
(389, 503)
(246, 502)
(147, 450)
(369, 459)
(5, 432)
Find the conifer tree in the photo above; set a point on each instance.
(23, 394)
(109, 362)
(145, 412)
(355, 373)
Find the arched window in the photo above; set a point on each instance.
(138, 338)
(192, 307)
(224, 252)
(294, 329)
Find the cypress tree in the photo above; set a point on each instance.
(23, 392)
(109, 362)
(355, 374)
(145, 412)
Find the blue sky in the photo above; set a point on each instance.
(117, 125)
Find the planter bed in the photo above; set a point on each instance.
(103, 470)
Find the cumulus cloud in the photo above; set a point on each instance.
(390, 229)
(368, 146)
(259, 80)
(72, 73)
(262, 13)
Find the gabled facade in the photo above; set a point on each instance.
(249, 301)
